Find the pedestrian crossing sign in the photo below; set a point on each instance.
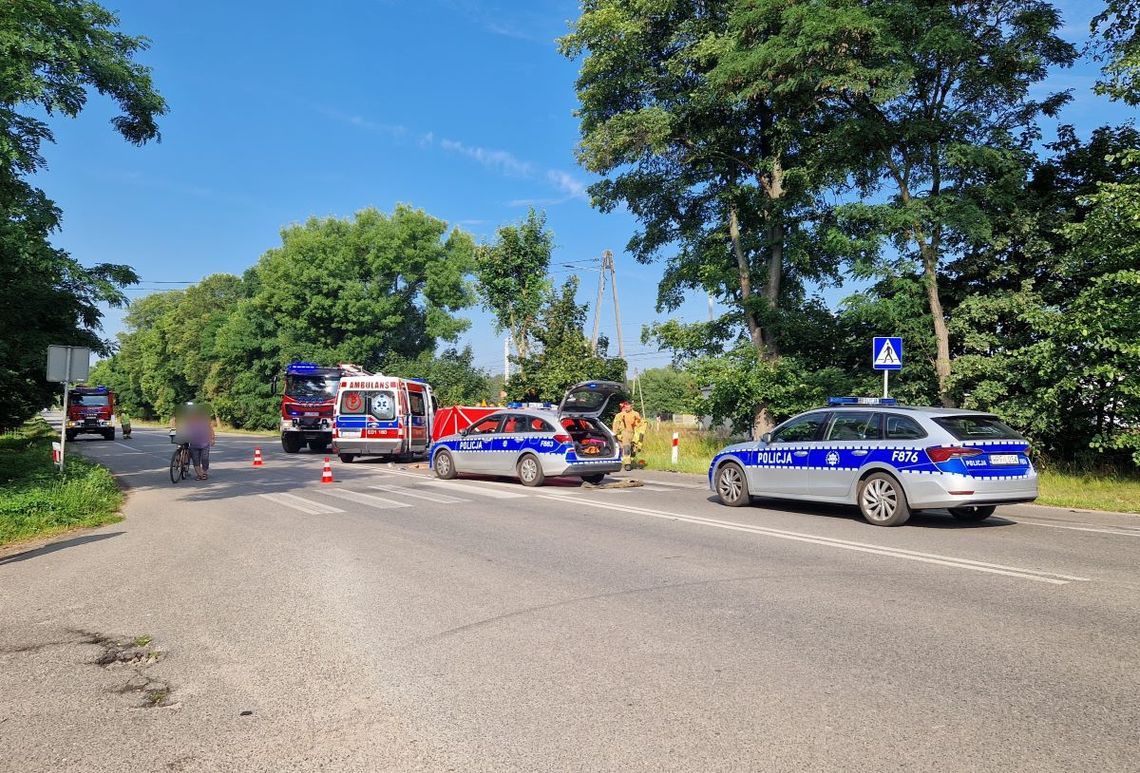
(887, 353)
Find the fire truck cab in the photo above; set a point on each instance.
(307, 404)
(382, 416)
(90, 410)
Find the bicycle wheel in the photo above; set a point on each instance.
(185, 462)
(177, 471)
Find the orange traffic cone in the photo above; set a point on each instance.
(257, 457)
(326, 474)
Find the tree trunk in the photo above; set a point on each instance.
(744, 271)
(941, 332)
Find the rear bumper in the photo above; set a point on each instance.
(582, 468)
(368, 447)
(944, 490)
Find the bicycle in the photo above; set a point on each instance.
(179, 460)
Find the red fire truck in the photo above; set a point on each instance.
(91, 410)
(307, 404)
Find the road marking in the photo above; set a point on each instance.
(403, 490)
(675, 485)
(910, 555)
(127, 450)
(1079, 528)
(366, 499)
(471, 487)
(302, 504)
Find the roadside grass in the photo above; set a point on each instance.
(696, 448)
(222, 427)
(35, 501)
(1089, 490)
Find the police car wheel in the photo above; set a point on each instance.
(445, 466)
(882, 500)
(530, 471)
(731, 486)
(976, 513)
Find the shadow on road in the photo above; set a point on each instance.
(926, 519)
(54, 546)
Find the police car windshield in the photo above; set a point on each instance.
(310, 386)
(89, 400)
(977, 428)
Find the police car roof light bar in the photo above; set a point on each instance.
(862, 401)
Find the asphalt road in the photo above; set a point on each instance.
(390, 621)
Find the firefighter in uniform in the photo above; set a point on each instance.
(629, 429)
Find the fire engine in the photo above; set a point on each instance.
(91, 409)
(381, 415)
(307, 404)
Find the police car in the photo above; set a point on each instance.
(533, 442)
(888, 459)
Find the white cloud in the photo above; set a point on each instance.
(568, 184)
(499, 160)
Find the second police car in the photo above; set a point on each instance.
(534, 442)
(888, 459)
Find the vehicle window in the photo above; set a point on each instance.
(382, 405)
(88, 400)
(903, 428)
(353, 403)
(799, 430)
(416, 403)
(855, 425)
(977, 428)
(517, 424)
(538, 425)
(486, 426)
(314, 387)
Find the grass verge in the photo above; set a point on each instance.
(35, 501)
(696, 449)
(1089, 491)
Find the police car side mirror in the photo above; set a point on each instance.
(462, 433)
(766, 438)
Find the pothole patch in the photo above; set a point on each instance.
(134, 657)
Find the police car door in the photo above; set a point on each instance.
(852, 436)
(781, 466)
(476, 448)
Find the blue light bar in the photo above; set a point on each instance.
(302, 368)
(862, 401)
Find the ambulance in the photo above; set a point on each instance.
(382, 416)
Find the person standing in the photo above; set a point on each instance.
(200, 435)
(627, 427)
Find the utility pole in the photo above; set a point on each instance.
(607, 268)
(506, 360)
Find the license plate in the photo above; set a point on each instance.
(1005, 459)
(350, 433)
(312, 413)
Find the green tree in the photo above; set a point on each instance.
(452, 374)
(511, 273)
(564, 356)
(660, 391)
(929, 104)
(719, 175)
(1118, 26)
(53, 53)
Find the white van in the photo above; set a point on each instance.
(382, 416)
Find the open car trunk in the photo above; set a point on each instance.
(591, 440)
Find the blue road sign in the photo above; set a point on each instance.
(887, 353)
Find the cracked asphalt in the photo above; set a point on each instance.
(262, 621)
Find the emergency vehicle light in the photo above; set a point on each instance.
(302, 368)
(862, 401)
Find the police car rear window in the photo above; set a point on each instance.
(977, 428)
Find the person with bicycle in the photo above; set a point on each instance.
(200, 435)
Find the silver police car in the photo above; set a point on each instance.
(888, 459)
(533, 442)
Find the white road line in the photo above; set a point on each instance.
(675, 485)
(302, 504)
(910, 555)
(472, 487)
(1078, 528)
(127, 449)
(407, 492)
(366, 499)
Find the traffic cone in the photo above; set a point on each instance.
(326, 474)
(257, 457)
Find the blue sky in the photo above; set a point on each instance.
(283, 110)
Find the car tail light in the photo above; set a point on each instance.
(940, 454)
(563, 439)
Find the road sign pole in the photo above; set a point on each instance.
(63, 424)
(886, 373)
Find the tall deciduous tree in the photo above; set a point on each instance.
(53, 53)
(714, 175)
(1118, 27)
(931, 104)
(511, 273)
